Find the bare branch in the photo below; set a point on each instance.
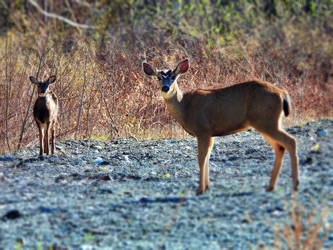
(64, 19)
(9, 87)
(82, 3)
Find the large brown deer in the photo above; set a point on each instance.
(224, 111)
(45, 113)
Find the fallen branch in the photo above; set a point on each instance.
(64, 19)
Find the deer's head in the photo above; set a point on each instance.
(43, 85)
(166, 77)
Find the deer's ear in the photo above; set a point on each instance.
(148, 69)
(52, 79)
(182, 67)
(33, 80)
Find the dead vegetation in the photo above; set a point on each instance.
(101, 88)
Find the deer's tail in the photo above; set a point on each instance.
(286, 104)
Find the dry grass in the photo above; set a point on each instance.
(104, 94)
(304, 231)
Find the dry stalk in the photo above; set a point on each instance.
(300, 236)
(8, 90)
(82, 96)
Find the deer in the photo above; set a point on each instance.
(207, 113)
(45, 113)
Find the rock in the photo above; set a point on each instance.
(12, 215)
(6, 158)
(93, 146)
(99, 160)
(43, 209)
(228, 164)
(321, 132)
(307, 161)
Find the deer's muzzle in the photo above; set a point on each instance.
(165, 88)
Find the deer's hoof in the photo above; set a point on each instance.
(269, 189)
(200, 191)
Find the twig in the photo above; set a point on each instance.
(106, 105)
(89, 104)
(82, 96)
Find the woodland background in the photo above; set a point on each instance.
(96, 49)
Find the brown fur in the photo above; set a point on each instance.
(224, 111)
(45, 113)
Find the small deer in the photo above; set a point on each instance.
(224, 111)
(45, 113)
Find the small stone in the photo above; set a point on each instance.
(307, 161)
(125, 157)
(47, 210)
(6, 158)
(96, 147)
(98, 160)
(321, 132)
(104, 178)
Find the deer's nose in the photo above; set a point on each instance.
(43, 89)
(165, 88)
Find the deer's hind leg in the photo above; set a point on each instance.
(270, 128)
(52, 128)
(279, 152)
(286, 141)
(289, 143)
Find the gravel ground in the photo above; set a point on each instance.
(141, 194)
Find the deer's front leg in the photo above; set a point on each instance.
(41, 148)
(205, 144)
(46, 138)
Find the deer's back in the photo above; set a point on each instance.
(228, 110)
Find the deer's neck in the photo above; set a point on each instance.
(42, 94)
(48, 96)
(174, 102)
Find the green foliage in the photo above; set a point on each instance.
(39, 246)
(88, 237)
(18, 245)
(18, 4)
(216, 22)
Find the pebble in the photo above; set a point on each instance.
(321, 132)
(6, 158)
(99, 160)
(228, 163)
